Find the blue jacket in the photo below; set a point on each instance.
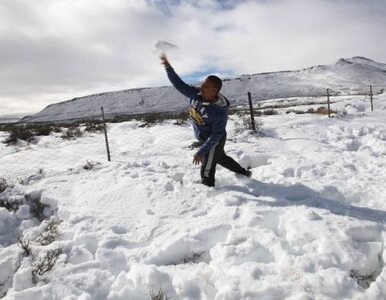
(209, 119)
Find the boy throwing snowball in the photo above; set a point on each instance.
(209, 113)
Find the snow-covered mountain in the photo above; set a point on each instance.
(346, 76)
(8, 120)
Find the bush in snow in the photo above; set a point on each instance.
(155, 118)
(364, 280)
(25, 245)
(158, 295)
(50, 232)
(90, 165)
(3, 185)
(19, 132)
(94, 127)
(42, 129)
(26, 132)
(72, 132)
(181, 118)
(243, 123)
(324, 111)
(44, 264)
(269, 112)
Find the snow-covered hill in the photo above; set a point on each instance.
(9, 118)
(310, 224)
(347, 76)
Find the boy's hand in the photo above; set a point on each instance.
(164, 60)
(197, 159)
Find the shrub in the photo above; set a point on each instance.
(364, 280)
(269, 112)
(25, 245)
(151, 119)
(94, 128)
(244, 124)
(158, 295)
(25, 132)
(322, 110)
(57, 129)
(72, 132)
(19, 132)
(50, 232)
(90, 165)
(3, 184)
(181, 118)
(45, 263)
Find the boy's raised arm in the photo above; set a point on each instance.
(184, 88)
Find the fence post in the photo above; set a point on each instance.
(106, 139)
(251, 111)
(328, 103)
(371, 97)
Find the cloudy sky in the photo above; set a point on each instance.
(55, 50)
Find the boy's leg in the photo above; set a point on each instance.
(230, 164)
(208, 168)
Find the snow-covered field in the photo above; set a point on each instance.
(313, 213)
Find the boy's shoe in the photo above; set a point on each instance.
(207, 182)
(248, 174)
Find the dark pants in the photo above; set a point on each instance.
(215, 156)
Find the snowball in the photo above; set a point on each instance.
(163, 46)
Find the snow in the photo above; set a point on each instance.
(314, 210)
(346, 77)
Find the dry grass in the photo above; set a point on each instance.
(45, 264)
(25, 245)
(158, 295)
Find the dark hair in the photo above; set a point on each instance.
(216, 81)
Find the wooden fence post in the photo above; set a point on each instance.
(371, 97)
(251, 111)
(106, 139)
(328, 103)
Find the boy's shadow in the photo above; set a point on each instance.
(299, 194)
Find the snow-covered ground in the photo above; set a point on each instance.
(313, 213)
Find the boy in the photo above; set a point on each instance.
(209, 113)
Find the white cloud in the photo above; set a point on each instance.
(55, 50)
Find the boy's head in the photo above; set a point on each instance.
(211, 87)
